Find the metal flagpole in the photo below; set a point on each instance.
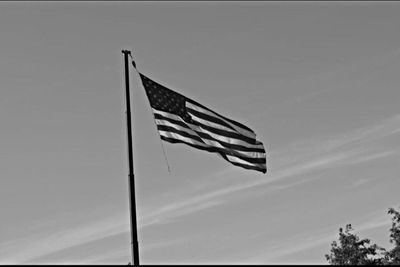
(134, 239)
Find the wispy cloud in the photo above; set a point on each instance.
(310, 241)
(213, 198)
(344, 149)
(41, 244)
(352, 148)
(323, 144)
(177, 209)
(372, 156)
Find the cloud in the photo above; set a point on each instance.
(176, 210)
(207, 200)
(372, 156)
(344, 149)
(310, 241)
(317, 144)
(41, 244)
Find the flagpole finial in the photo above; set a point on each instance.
(127, 52)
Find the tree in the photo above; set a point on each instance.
(392, 257)
(353, 251)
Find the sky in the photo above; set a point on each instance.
(317, 81)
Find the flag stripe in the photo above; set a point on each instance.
(228, 142)
(219, 128)
(208, 120)
(180, 136)
(231, 121)
(161, 126)
(250, 134)
(216, 134)
(238, 160)
(257, 167)
(228, 134)
(181, 132)
(173, 133)
(166, 123)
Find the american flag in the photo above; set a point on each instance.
(182, 120)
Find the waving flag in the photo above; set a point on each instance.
(182, 120)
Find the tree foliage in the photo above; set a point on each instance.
(393, 256)
(351, 250)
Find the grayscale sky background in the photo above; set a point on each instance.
(317, 81)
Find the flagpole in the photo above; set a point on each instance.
(132, 204)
